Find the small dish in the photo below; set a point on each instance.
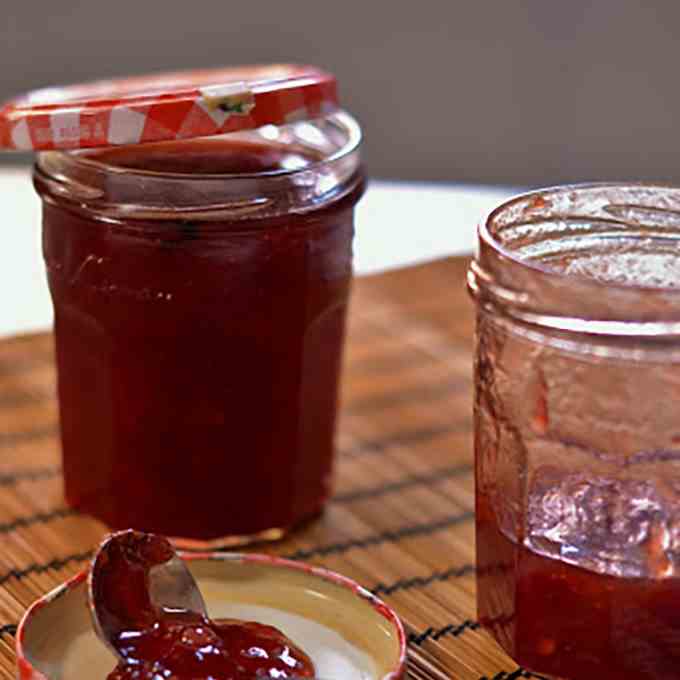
(347, 631)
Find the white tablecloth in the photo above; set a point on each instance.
(398, 224)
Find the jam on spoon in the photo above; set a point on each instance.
(161, 632)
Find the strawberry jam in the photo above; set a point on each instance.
(211, 650)
(200, 291)
(181, 645)
(570, 622)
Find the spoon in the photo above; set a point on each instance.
(136, 579)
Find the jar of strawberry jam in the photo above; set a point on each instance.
(577, 435)
(197, 232)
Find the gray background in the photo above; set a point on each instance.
(497, 91)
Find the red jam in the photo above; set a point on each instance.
(212, 650)
(572, 622)
(182, 645)
(198, 360)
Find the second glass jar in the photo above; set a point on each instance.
(577, 440)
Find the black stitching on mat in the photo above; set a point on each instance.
(514, 675)
(437, 633)
(384, 537)
(38, 518)
(399, 485)
(29, 475)
(398, 439)
(35, 568)
(423, 581)
(12, 438)
(8, 629)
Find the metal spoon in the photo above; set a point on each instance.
(171, 587)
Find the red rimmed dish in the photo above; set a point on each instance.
(348, 632)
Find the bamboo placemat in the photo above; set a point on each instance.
(401, 521)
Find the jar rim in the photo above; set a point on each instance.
(487, 238)
(353, 142)
(115, 192)
(511, 275)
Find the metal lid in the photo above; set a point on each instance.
(166, 106)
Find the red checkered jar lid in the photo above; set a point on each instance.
(166, 106)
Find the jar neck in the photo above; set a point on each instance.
(596, 259)
(329, 168)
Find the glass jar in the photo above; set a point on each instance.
(200, 289)
(577, 434)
